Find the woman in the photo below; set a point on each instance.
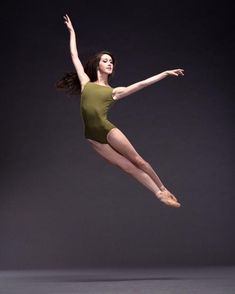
(92, 81)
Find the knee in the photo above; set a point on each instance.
(127, 167)
(141, 163)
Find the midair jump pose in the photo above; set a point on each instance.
(97, 96)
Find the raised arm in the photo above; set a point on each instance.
(83, 77)
(121, 92)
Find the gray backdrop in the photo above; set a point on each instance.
(61, 205)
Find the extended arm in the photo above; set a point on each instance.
(121, 92)
(83, 77)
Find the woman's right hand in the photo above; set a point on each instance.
(68, 23)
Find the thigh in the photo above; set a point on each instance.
(122, 145)
(111, 155)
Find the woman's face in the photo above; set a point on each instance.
(106, 64)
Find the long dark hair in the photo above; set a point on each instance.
(70, 82)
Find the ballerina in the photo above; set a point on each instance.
(92, 83)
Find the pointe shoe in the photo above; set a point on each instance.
(172, 196)
(167, 198)
(163, 189)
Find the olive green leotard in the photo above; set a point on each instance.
(96, 100)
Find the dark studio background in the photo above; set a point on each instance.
(61, 205)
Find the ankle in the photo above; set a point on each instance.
(159, 193)
(163, 188)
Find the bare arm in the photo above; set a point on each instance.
(121, 92)
(83, 77)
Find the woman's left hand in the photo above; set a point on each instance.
(175, 72)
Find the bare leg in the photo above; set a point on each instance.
(122, 145)
(112, 156)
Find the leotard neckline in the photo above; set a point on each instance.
(99, 85)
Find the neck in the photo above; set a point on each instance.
(102, 79)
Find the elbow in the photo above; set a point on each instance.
(143, 84)
(74, 55)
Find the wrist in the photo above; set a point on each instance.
(166, 73)
(71, 31)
